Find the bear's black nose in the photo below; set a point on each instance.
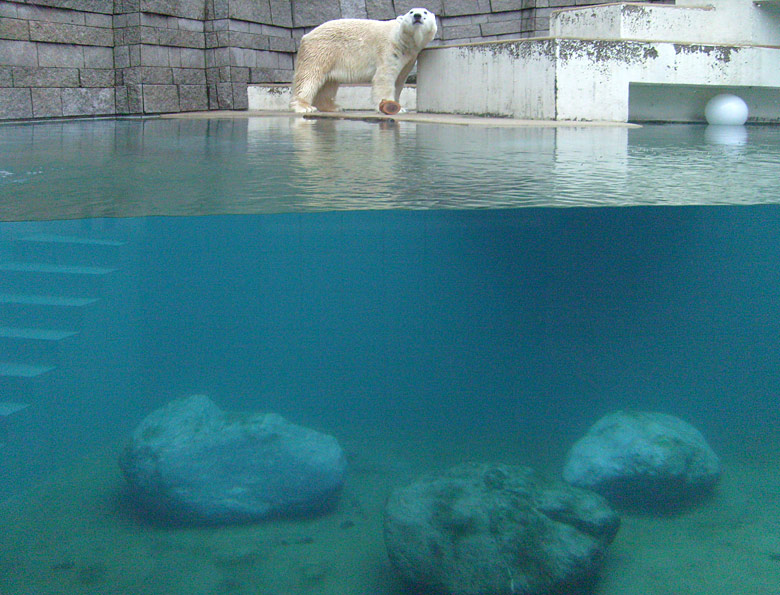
(417, 16)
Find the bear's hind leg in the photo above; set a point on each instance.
(304, 90)
(325, 100)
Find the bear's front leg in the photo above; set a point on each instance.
(383, 86)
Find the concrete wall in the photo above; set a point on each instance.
(102, 57)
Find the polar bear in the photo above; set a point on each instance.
(359, 51)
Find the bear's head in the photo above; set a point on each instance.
(420, 23)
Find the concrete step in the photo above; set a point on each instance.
(16, 370)
(276, 97)
(7, 408)
(65, 250)
(51, 279)
(39, 346)
(34, 334)
(686, 22)
(62, 313)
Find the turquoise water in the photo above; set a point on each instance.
(382, 284)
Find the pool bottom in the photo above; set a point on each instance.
(76, 534)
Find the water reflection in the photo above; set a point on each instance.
(112, 168)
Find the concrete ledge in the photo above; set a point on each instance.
(411, 117)
(590, 79)
(350, 97)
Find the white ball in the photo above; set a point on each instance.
(726, 110)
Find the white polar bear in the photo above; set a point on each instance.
(359, 51)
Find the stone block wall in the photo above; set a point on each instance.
(56, 58)
(63, 58)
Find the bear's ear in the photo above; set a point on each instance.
(400, 17)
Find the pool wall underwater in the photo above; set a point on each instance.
(528, 322)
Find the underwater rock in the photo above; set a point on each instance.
(498, 529)
(191, 462)
(642, 459)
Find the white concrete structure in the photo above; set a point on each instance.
(617, 62)
(350, 97)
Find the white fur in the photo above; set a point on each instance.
(359, 51)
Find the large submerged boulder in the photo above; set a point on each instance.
(191, 462)
(498, 529)
(643, 459)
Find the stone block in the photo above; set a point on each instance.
(239, 75)
(75, 34)
(219, 9)
(505, 5)
(149, 35)
(152, 55)
(160, 98)
(99, 20)
(190, 25)
(88, 102)
(127, 36)
(448, 33)
(353, 9)
(177, 38)
(270, 75)
(193, 58)
(189, 9)
(281, 13)
(15, 103)
(310, 13)
(99, 6)
(14, 29)
(6, 80)
(189, 76)
(135, 99)
(256, 11)
(285, 61)
(212, 76)
(153, 75)
(240, 99)
(59, 55)
(120, 94)
(174, 57)
(98, 57)
(125, 6)
(18, 53)
(402, 6)
(381, 10)
(193, 98)
(8, 9)
(213, 99)
(282, 44)
(501, 27)
(462, 7)
(248, 41)
(45, 77)
(46, 103)
(135, 55)
(242, 26)
(264, 60)
(219, 57)
(50, 15)
(127, 20)
(130, 76)
(224, 96)
(122, 57)
(158, 20)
